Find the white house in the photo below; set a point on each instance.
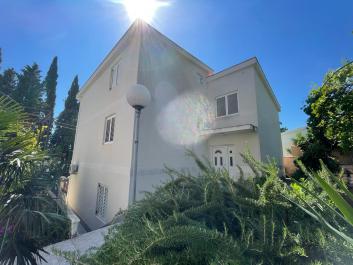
(217, 115)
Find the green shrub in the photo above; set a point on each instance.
(29, 217)
(213, 219)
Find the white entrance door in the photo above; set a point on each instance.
(219, 157)
(223, 158)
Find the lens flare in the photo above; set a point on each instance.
(183, 119)
(142, 9)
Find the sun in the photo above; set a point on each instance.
(143, 9)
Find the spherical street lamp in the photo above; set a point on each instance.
(138, 96)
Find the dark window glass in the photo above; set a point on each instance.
(111, 79)
(232, 103)
(215, 161)
(117, 74)
(221, 106)
(221, 161)
(111, 138)
(231, 161)
(107, 131)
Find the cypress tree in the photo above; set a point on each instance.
(62, 140)
(29, 92)
(8, 82)
(49, 85)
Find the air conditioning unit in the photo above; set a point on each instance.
(73, 168)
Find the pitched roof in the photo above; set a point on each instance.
(139, 25)
(136, 28)
(250, 62)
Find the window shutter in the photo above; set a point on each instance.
(232, 101)
(221, 106)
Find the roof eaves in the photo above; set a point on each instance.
(180, 49)
(243, 65)
(267, 85)
(232, 69)
(103, 63)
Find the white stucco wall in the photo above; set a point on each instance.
(243, 83)
(108, 164)
(183, 105)
(168, 124)
(268, 127)
(242, 142)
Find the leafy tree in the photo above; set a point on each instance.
(330, 122)
(213, 219)
(50, 83)
(29, 218)
(330, 109)
(313, 152)
(62, 141)
(283, 128)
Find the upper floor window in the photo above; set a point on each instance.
(102, 201)
(114, 76)
(109, 129)
(227, 104)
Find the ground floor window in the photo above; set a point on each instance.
(102, 199)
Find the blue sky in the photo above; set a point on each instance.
(297, 42)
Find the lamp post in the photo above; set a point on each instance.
(138, 96)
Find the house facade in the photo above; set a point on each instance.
(217, 115)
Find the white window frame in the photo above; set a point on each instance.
(111, 78)
(110, 118)
(102, 201)
(114, 76)
(226, 104)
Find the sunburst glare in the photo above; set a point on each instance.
(142, 9)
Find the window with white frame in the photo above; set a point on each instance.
(227, 105)
(111, 79)
(109, 129)
(102, 200)
(114, 76)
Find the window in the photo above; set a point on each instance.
(109, 129)
(114, 76)
(221, 107)
(111, 79)
(102, 199)
(227, 105)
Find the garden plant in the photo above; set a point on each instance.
(212, 218)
